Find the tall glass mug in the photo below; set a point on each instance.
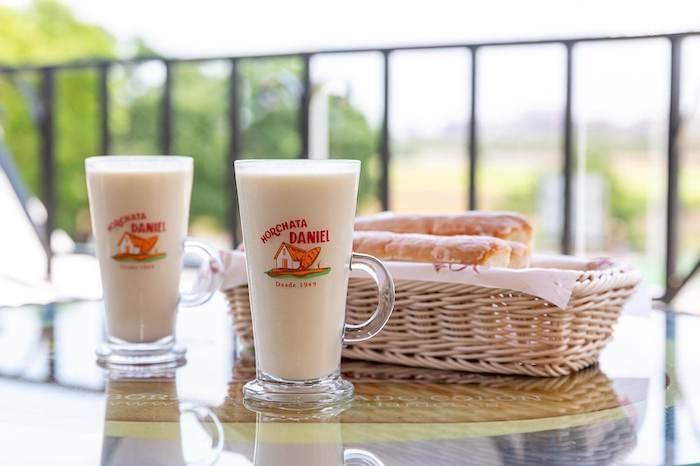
(140, 209)
(297, 220)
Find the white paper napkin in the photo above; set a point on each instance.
(551, 278)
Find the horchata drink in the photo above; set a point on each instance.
(297, 221)
(140, 209)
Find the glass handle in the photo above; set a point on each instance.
(385, 295)
(206, 418)
(357, 457)
(209, 276)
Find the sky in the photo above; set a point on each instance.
(621, 83)
(188, 27)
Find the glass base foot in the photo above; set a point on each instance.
(263, 394)
(267, 411)
(138, 357)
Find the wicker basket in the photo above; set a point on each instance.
(478, 329)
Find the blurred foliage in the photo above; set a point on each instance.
(523, 194)
(271, 92)
(17, 128)
(627, 207)
(77, 133)
(352, 138)
(47, 32)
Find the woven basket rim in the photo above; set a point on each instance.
(589, 281)
(616, 269)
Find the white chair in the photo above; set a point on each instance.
(23, 253)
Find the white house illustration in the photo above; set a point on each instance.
(127, 246)
(288, 257)
(131, 244)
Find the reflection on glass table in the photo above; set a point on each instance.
(639, 406)
(136, 402)
(421, 416)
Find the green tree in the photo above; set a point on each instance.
(351, 137)
(47, 32)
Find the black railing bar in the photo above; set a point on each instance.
(167, 110)
(680, 284)
(385, 135)
(505, 43)
(673, 161)
(103, 105)
(234, 149)
(673, 37)
(48, 158)
(473, 145)
(304, 103)
(568, 153)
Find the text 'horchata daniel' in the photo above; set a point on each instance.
(295, 237)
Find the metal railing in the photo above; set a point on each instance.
(46, 125)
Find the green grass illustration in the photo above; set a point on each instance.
(292, 275)
(148, 259)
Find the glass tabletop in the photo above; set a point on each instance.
(640, 405)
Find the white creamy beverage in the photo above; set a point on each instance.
(297, 229)
(139, 219)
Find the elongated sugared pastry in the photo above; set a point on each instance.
(504, 225)
(416, 247)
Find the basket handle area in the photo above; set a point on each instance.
(385, 294)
